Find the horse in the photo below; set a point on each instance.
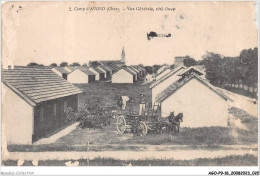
(177, 121)
(173, 122)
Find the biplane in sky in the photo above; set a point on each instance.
(154, 34)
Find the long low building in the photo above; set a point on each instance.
(123, 75)
(200, 102)
(162, 83)
(100, 75)
(162, 74)
(35, 100)
(81, 75)
(76, 74)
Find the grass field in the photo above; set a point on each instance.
(234, 160)
(107, 92)
(107, 137)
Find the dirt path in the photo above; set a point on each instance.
(242, 102)
(127, 155)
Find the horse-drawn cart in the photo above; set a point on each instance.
(148, 121)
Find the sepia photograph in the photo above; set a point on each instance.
(129, 84)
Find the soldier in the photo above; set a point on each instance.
(124, 100)
(142, 104)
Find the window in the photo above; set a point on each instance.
(41, 114)
(54, 109)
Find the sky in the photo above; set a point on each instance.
(47, 32)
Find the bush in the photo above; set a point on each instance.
(91, 115)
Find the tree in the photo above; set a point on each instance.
(64, 64)
(212, 63)
(74, 64)
(85, 65)
(188, 61)
(155, 68)
(248, 66)
(94, 63)
(53, 65)
(149, 69)
(33, 64)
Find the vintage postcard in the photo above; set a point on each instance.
(129, 84)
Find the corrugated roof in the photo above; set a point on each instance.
(173, 72)
(113, 67)
(191, 69)
(136, 67)
(162, 72)
(61, 70)
(129, 70)
(97, 70)
(72, 68)
(86, 70)
(126, 69)
(105, 68)
(111, 62)
(137, 71)
(37, 84)
(143, 69)
(177, 84)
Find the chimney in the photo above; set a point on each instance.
(179, 61)
(10, 67)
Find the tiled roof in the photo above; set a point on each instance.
(173, 72)
(176, 85)
(36, 85)
(61, 70)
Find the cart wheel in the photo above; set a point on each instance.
(143, 128)
(121, 124)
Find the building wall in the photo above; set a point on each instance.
(201, 106)
(50, 116)
(102, 76)
(17, 118)
(122, 76)
(163, 85)
(91, 78)
(94, 71)
(108, 73)
(105, 75)
(163, 74)
(77, 77)
(57, 72)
